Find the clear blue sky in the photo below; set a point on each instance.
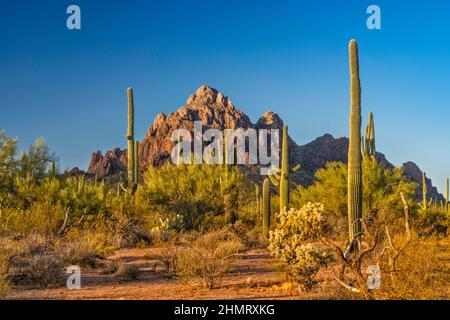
(285, 56)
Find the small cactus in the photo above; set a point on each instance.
(266, 207)
(52, 169)
(368, 143)
(425, 204)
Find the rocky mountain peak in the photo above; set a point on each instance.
(215, 110)
(209, 96)
(269, 120)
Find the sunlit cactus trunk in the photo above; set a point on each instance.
(130, 140)
(284, 178)
(266, 207)
(230, 200)
(136, 161)
(52, 170)
(258, 201)
(354, 150)
(446, 196)
(280, 176)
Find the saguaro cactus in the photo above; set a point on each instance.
(446, 196)
(368, 144)
(266, 207)
(136, 161)
(230, 198)
(280, 177)
(425, 205)
(354, 185)
(130, 138)
(258, 200)
(52, 169)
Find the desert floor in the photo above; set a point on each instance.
(253, 276)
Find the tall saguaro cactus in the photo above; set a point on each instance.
(130, 140)
(266, 207)
(280, 177)
(354, 185)
(425, 205)
(446, 196)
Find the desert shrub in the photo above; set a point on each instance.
(127, 272)
(40, 270)
(432, 222)
(4, 286)
(111, 266)
(293, 243)
(41, 218)
(80, 252)
(381, 189)
(191, 196)
(168, 258)
(422, 270)
(4, 283)
(208, 258)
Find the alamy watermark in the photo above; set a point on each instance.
(74, 280)
(230, 146)
(73, 21)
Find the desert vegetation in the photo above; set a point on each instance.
(201, 226)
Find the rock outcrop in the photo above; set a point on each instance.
(215, 110)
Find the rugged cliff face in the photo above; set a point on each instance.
(215, 110)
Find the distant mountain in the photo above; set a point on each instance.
(215, 110)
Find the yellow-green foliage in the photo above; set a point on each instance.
(292, 242)
(381, 189)
(192, 192)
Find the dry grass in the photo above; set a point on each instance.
(422, 271)
(208, 259)
(127, 272)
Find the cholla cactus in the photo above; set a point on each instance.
(291, 242)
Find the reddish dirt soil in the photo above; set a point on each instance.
(253, 276)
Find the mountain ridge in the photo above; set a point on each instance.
(215, 110)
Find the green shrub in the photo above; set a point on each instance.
(381, 190)
(191, 196)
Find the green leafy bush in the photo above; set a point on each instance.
(381, 190)
(191, 196)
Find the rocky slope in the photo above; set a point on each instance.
(215, 110)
